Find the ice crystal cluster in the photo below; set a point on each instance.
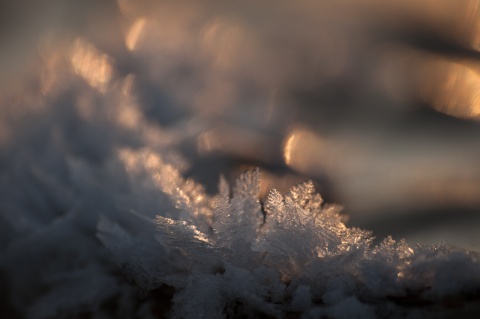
(94, 208)
(98, 221)
(227, 257)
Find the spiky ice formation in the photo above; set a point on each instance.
(299, 260)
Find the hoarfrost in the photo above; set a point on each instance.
(83, 154)
(300, 259)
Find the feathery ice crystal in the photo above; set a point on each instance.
(226, 257)
(83, 153)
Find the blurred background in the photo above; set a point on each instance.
(377, 102)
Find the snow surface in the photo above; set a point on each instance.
(97, 220)
(225, 256)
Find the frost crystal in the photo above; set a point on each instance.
(298, 260)
(237, 220)
(94, 206)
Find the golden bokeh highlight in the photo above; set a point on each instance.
(134, 33)
(452, 87)
(91, 64)
(307, 152)
(472, 21)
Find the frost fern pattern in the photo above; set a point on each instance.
(294, 258)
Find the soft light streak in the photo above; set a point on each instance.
(307, 152)
(91, 64)
(290, 144)
(472, 23)
(128, 85)
(134, 34)
(452, 88)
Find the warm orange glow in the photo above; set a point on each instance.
(167, 178)
(287, 150)
(452, 88)
(129, 116)
(135, 33)
(306, 152)
(91, 64)
(128, 84)
(127, 156)
(137, 161)
(127, 111)
(472, 23)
